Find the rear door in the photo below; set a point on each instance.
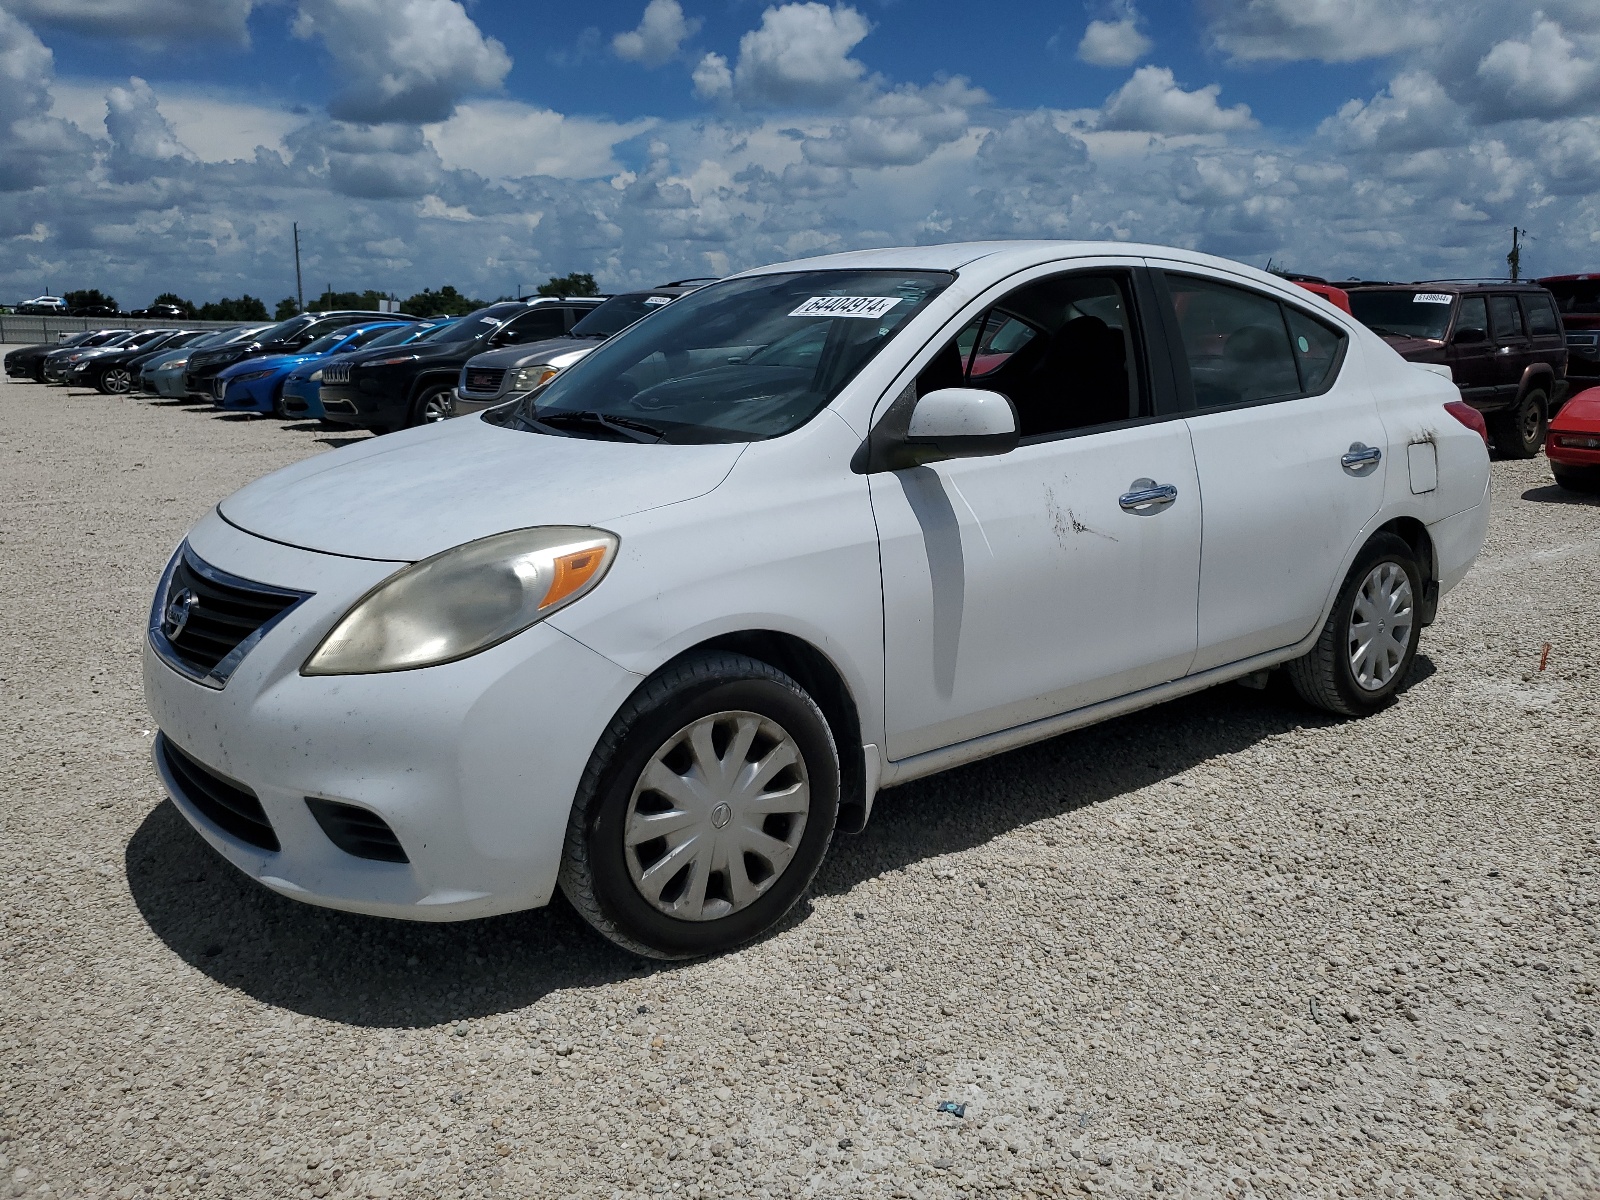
(1512, 351)
(1288, 447)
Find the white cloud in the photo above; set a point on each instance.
(1152, 101)
(1117, 43)
(1325, 30)
(898, 128)
(35, 145)
(1546, 74)
(151, 22)
(403, 60)
(660, 36)
(143, 142)
(214, 125)
(800, 55)
(504, 139)
(1413, 113)
(712, 78)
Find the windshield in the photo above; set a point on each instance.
(284, 330)
(1576, 295)
(248, 333)
(617, 313)
(1416, 314)
(734, 362)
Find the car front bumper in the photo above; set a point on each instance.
(472, 764)
(351, 404)
(469, 404)
(254, 395)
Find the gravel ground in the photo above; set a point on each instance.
(1225, 947)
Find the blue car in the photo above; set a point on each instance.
(299, 396)
(256, 384)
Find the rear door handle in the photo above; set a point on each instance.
(1360, 458)
(1146, 497)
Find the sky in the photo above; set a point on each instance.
(170, 145)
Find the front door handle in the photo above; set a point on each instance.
(1360, 459)
(1146, 497)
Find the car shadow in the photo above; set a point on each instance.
(375, 972)
(338, 442)
(1554, 493)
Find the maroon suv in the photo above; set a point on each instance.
(1578, 302)
(1503, 342)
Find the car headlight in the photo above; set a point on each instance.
(175, 366)
(464, 600)
(249, 375)
(391, 362)
(527, 378)
(316, 376)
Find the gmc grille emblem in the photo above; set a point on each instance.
(176, 617)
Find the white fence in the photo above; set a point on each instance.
(25, 331)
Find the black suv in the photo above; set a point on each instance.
(1503, 343)
(283, 338)
(414, 384)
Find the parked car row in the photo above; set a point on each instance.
(56, 306)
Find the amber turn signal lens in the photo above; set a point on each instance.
(572, 572)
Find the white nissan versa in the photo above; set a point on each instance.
(655, 631)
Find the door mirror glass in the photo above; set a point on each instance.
(1470, 335)
(960, 423)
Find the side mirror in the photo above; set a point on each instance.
(1469, 335)
(960, 423)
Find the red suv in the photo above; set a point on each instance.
(1503, 342)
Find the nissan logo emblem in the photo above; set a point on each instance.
(183, 602)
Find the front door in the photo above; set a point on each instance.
(1472, 360)
(1291, 456)
(1061, 574)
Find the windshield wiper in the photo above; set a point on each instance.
(636, 431)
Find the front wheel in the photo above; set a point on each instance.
(1577, 479)
(1370, 640)
(1519, 430)
(434, 404)
(705, 810)
(115, 381)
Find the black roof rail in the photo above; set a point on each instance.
(687, 282)
(1492, 280)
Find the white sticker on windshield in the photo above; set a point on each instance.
(1432, 298)
(657, 300)
(870, 307)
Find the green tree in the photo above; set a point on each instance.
(575, 284)
(92, 298)
(286, 309)
(245, 308)
(176, 301)
(330, 300)
(446, 302)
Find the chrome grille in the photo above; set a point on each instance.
(204, 621)
(336, 373)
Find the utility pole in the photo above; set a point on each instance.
(299, 290)
(1515, 257)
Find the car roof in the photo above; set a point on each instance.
(1568, 278)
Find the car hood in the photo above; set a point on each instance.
(408, 495)
(264, 362)
(1415, 349)
(1581, 414)
(530, 352)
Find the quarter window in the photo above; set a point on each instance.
(1316, 349)
(1541, 316)
(1236, 342)
(1504, 317)
(1061, 349)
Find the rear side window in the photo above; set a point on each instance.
(1504, 317)
(1236, 342)
(1541, 316)
(1316, 349)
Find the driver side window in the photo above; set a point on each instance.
(1062, 349)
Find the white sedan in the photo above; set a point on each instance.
(655, 631)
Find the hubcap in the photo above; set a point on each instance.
(439, 406)
(117, 381)
(1380, 626)
(716, 816)
(1530, 424)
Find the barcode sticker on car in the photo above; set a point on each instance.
(652, 300)
(870, 307)
(1432, 298)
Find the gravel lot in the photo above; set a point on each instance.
(1224, 947)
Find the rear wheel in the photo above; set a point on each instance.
(1370, 640)
(114, 381)
(436, 402)
(705, 810)
(1519, 430)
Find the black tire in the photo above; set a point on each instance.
(375, 430)
(1577, 479)
(278, 410)
(1519, 430)
(1325, 676)
(435, 402)
(595, 872)
(114, 381)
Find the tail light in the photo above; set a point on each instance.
(1470, 417)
